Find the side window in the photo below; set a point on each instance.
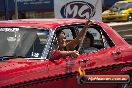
(68, 34)
(99, 39)
(106, 42)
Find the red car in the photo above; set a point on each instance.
(26, 46)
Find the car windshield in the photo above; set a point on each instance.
(24, 42)
(119, 6)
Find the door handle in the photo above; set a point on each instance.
(83, 62)
(116, 54)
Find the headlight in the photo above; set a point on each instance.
(105, 13)
(121, 12)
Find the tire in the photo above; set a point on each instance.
(130, 17)
(126, 85)
(129, 84)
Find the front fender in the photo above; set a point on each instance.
(127, 70)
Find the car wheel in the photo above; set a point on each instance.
(126, 85)
(130, 17)
(129, 84)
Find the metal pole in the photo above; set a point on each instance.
(6, 10)
(16, 9)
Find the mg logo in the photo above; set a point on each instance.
(77, 9)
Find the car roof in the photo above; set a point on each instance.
(52, 23)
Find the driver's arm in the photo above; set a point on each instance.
(71, 45)
(56, 54)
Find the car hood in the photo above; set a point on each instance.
(108, 12)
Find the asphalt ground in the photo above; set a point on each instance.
(124, 29)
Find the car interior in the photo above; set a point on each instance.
(101, 39)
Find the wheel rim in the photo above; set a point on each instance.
(130, 17)
(127, 85)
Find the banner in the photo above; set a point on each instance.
(82, 9)
(30, 5)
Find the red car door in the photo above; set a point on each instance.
(107, 57)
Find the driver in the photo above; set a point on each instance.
(68, 49)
